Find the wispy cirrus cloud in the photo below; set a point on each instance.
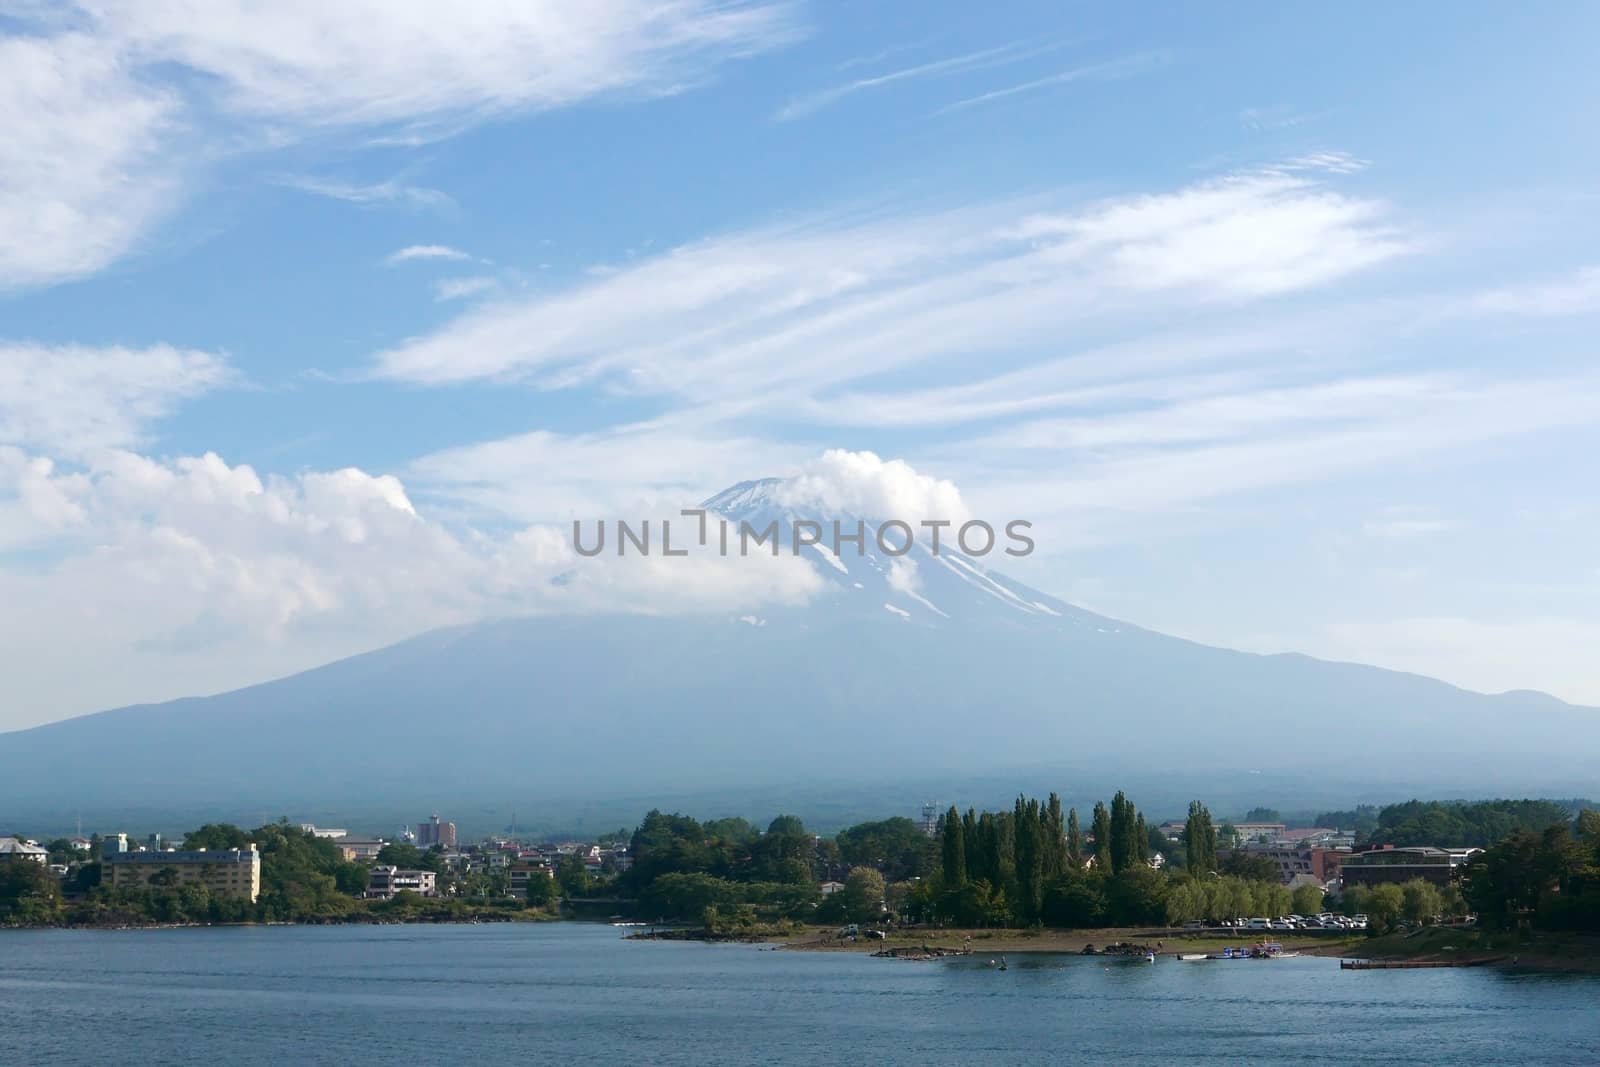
(412, 253)
(813, 102)
(67, 400)
(391, 191)
(1575, 294)
(103, 121)
(805, 308)
(461, 288)
(1126, 67)
(84, 157)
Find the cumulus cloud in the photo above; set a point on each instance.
(860, 483)
(68, 399)
(190, 574)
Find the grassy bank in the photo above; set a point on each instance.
(1533, 951)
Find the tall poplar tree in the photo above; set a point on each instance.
(1074, 839)
(955, 850)
(1199, 840)
(1102, 837)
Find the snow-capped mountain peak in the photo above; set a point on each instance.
(872, 568)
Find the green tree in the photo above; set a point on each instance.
(1421, 901)
(896, 847)
(1384, 906)
(863, 894)
(954, 850)
(787, 824)
(1102, 837)
(1156, 841)
(1250, 866)
(29, 893)
(1306, 899)
(1120, 854)
(572, 876)
(1075, 850)
(1199, 839)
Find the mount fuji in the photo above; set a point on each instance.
(904, 679)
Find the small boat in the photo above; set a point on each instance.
(1189, 957)
(1231, 954)
(1002, 963)
(1150, 957)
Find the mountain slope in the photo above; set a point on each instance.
(939, 672)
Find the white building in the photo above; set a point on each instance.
(12, 848)
(387, 881)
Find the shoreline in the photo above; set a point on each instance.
(422, 920)
(1042, 941)
(1570, 953)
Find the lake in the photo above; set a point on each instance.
(571, 992)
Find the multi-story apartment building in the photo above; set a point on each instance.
(433, 832)
(1441, 866)
(386, 881)
(234, 872)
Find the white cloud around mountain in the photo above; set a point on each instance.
(188, 575)
(860, 483)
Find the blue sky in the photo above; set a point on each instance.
(314, 327)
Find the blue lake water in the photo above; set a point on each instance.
(571, 992)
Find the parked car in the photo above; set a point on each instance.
(1259, 924)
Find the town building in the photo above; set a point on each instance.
(1441, 866)
(386, 881)
(1258, 831)
(233, 872)
(433, 832)
(1321, 864)
(330, 832)
(522, 873)
(359, 849)
(12, 848)
(113, 843)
